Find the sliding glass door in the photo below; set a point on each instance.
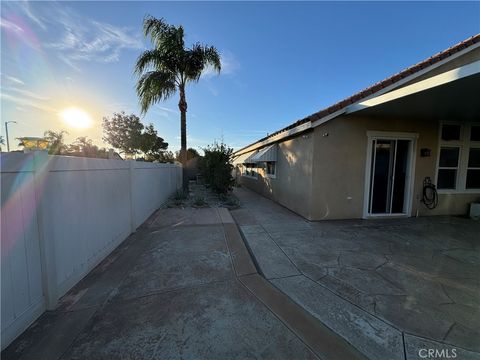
(389, 168)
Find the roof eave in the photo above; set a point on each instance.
(323, 119)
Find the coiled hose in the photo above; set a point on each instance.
(430, 195)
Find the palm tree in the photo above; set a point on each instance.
(169, 67)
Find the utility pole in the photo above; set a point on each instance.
(6, 133)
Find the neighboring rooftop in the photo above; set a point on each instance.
(377, 86)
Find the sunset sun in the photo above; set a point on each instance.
(76, 118)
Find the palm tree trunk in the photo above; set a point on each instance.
(182, 105)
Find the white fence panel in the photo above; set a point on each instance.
(87, 212)
(60, 217)
(152, 184)
(21, 290)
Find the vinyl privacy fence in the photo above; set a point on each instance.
(60, 216)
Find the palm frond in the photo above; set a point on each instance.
(212, 58)
(154, 27)
(150, 59)
(198, 58)
(155, 86)
(163, 35)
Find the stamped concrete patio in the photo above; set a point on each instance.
(185, 287)
(389, 287)
(170, 291)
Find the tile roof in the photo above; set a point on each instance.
(380, 85)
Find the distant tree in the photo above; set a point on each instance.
(166, 157)
(56, 141)
(151, 144)
(2, 142)
(216, 167)
(85, 147)
(191, 153)
(169, 67)
(123, 132)
(127, 134)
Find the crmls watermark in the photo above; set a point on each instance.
(437, 354)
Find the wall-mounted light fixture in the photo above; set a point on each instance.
(425, 152)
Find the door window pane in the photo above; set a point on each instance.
(449, 157)
(447, 178)
(474, 158)
(473, 179)
(382, 176)
(450, 132)
(475, 133)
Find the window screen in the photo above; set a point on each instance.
(450, 132)
(448, 167)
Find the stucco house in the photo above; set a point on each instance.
(371, 154)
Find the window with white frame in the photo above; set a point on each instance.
(475, 133)
(459, 157)
(451, 132)
(271, 169)
(448, 167)
(250, 170)
(473, 169)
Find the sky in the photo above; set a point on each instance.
(282, 61)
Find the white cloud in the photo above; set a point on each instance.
(164, 112)
(27, 93)
(25, 6)
(23, 97)
(8, 25)
(89, 40)
(14, 80)
(173, 111)
(24, 101)
(76, 38)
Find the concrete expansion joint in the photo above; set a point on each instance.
(321, 340)
(381, 265)
(448, 331)
(172, 290)
(359, 307)
(285, 277)
(404, 346)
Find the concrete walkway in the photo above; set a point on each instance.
(182, 287)
(390, 287)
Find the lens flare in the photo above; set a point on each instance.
(76, 118)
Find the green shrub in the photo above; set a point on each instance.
(199, 201)
(232, 202)
(180, 195)
(216, 167)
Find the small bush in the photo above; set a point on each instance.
(180, 195)
(232, 202)
(216, 167)
(199, 201)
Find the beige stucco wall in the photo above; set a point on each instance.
(293, 182)
(339, 167)
(323, 177)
